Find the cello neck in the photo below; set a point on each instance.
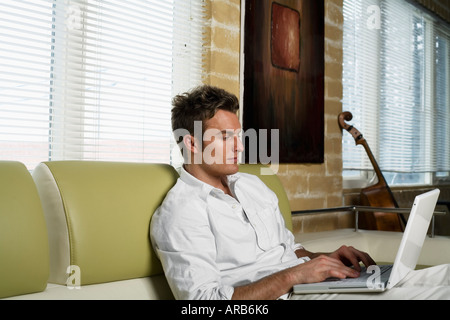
(381, 179)
(359, 139)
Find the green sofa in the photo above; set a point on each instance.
(80, 230)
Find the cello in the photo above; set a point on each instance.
(377, 195)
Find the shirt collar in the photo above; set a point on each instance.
(204, 188)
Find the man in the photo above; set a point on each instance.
(219, 234)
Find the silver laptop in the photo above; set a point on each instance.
(381, 278)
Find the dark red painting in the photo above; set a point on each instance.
(284, 78)
(285, 37)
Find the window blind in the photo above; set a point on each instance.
(93, 80)
(396, 78)
(25, 56)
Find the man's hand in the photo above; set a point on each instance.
(352, 257)
(321, 268)
(336, 266)
(277, 284)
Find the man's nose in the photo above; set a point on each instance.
(238, 145)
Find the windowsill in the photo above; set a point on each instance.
(404, 195)
(347, 190)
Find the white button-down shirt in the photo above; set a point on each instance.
(209, 242)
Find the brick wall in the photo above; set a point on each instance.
(222, 55)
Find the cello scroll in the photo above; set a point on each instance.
(347, 116)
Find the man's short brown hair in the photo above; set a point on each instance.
(200, 104)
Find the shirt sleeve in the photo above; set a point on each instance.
(185, 245)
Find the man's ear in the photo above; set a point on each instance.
(191, 143)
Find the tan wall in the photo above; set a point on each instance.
(222, 54)
(309, 186)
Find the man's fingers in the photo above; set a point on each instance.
(363, 257)
(354, 257)
(337, 269)
(344, 273)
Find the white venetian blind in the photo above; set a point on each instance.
(93, 80)
(396, 82)
(25, 61)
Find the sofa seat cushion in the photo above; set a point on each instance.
(147, 288)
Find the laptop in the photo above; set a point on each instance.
(381, 278)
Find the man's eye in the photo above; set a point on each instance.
(227, 137)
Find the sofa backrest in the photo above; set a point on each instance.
(98, 217)
(24, 251)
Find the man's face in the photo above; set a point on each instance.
(221, 144)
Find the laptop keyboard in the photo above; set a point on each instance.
(364, 275)
(383, 269)
(362, 283)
